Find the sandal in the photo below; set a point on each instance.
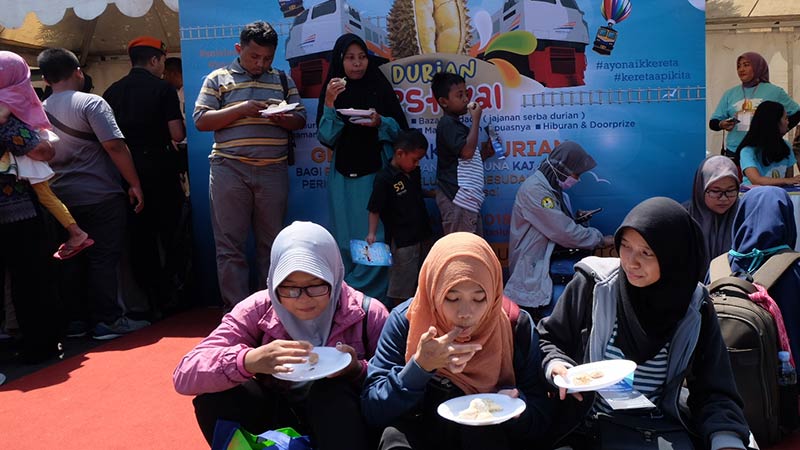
(65, 252)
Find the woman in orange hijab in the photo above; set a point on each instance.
(455, 337)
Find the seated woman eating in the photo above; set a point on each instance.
(307, 304)
(454, 338)
(647, 306)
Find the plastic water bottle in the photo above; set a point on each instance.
(786, 373)
(787, 399)
(496, 142)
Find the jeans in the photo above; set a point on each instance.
(245, 197)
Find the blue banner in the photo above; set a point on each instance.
(625, 79)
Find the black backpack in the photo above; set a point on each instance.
(751, 337)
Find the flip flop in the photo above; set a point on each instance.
(65, 252)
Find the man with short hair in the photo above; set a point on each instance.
(148, 113)
(249, 180)
(173, 73)
(90, 157)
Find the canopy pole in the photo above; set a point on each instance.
(87, 41)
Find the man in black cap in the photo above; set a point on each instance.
(148, 112)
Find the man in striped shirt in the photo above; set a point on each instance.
(249, 181)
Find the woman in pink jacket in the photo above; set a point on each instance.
(306, 304)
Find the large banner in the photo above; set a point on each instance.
(624, 78)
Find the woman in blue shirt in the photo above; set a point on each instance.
(736, 107)
(765, 157)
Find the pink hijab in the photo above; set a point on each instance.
(17, 93)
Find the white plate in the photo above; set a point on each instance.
(511, 408)
(355, 112)
(277, 109)
(613, 371)
(360, 120)
(330, 361)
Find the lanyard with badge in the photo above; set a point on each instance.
(745, 116)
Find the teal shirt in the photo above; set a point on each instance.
(751, 157)
(731, 103)
(331, 126)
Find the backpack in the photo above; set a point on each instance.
(751, 336)
(291, 144)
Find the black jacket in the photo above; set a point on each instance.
(714, 402)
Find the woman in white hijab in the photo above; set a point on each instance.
(306, 304)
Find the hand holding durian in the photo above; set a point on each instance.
(335, 87)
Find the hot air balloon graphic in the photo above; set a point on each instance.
(614, 11)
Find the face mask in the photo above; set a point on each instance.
(568, 180)
(568, 183)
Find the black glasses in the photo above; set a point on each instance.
(732, 193)
(316, 290)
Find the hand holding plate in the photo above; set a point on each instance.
(272, 358)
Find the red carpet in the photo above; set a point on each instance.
(120, 396)
(115, 396)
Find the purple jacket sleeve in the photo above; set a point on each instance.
(216, 363)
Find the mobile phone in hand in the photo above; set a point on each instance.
(587, 215)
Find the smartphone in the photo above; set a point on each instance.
(587, 215)
(734, 120)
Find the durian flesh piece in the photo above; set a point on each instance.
(428, 26)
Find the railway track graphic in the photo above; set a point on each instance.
(615, 96)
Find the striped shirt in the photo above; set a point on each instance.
(470, 194)
(648, 378)
(248, 137)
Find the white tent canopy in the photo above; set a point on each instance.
(97, 28)
(50, 12)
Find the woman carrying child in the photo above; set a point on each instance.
(25, 125)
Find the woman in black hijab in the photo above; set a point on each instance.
(361, 146)
(655, 312)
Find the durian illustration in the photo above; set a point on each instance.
(418, 27)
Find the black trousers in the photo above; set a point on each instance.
(154, 230)
(330, 413)
(26, 253)
(439, 434)
(89, 280)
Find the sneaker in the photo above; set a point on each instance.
(104, 331)
(76, 329)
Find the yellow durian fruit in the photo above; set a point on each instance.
(428, 26)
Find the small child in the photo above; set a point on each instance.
(397, 199)
(23, 127)
(459, 170)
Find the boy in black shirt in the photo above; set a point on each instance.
(397, 199)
